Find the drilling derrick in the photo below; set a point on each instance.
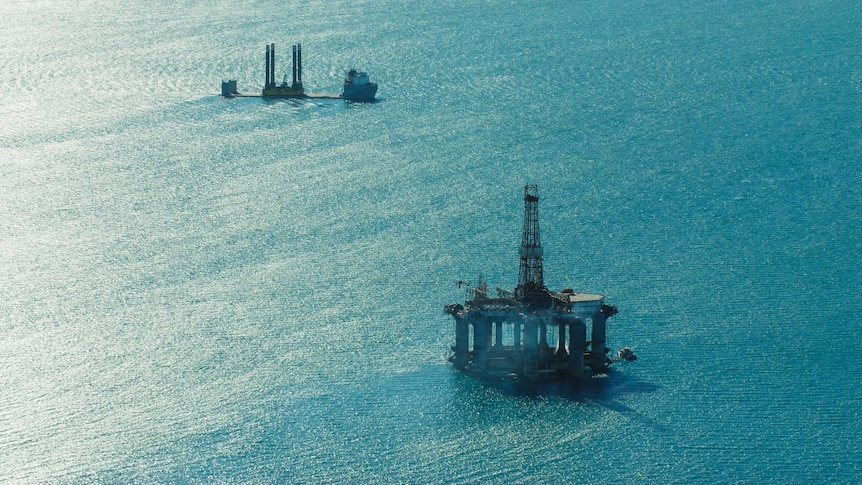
(531, 289)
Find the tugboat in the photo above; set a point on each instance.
(357, 87)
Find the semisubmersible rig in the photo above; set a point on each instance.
(528, 315)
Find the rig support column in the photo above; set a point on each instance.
(486, 322)
(462, 344)
(544, 348)
(498, 338)
(531, 348)
(597, 345)
(516, 339)
(577, 346)
(600, 319)
(562, 355)
(481, 342)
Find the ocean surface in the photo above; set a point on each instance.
(196, 289)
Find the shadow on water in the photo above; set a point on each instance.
(611, 385)
(603, 391)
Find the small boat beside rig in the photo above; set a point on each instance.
(357, 87)
(626, 353)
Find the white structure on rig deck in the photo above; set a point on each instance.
(530, 311)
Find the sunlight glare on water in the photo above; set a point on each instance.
(200, 289)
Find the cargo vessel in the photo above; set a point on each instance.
(357, 86)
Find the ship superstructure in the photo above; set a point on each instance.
(357, 87)
(508, 334)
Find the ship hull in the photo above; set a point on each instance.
(360, 93)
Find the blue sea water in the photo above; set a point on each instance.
(204, 290)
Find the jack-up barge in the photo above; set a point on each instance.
(357, 87)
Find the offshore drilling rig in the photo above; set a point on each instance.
(482, 322)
